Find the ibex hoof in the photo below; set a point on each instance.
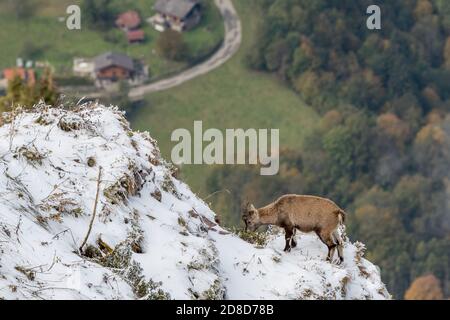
(287, 249)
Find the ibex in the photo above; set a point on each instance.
(305, 213)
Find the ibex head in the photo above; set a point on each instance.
(250, 216)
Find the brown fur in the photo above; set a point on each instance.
(302, 212)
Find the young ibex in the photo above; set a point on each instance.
(305, 213)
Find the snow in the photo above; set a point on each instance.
(47, 195)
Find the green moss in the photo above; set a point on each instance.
(151, 290)
(120, 261)
(215, 292)
(136, 237)
(182, 222)
(196, 265)
(259, 239)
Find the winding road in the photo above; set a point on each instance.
(230, 45)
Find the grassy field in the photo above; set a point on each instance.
(46, 38)
(229, 97)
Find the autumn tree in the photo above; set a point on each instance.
(425, 288)
(423, 9)
(392, 128)
(447, 53)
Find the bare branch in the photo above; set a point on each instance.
(94, 211)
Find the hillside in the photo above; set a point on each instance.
(381, 149)
(151, 238)
(45, 20)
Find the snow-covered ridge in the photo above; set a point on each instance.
(152, 238)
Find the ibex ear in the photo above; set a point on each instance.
(252, 207)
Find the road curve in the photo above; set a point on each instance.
(230, 45)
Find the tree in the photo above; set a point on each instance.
(443, 8)
(432, 150)
(13, 94)
(24, 94)
(392, 128)
(425, 288)
(47, 90)
(411, 195)
(99, 14)
(447, 53)
(23, 9)
(423, 9)
(276, 55)
(31, 50)
(348, 146)
(171, 45)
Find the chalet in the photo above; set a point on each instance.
(27, 75)
(135, 36)
(178, 15)
(112, 67)
(129, 20)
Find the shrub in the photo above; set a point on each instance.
(259, 239)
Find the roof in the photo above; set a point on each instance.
(24, 74)
(129, 19)
(109, 59)
(135, 35)
(176, 8)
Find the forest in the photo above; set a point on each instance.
(382, 147)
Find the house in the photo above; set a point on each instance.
(27, 75)
(178, 15)
(135, 36)
(83, 67)
(112, 67)
(129, 20)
